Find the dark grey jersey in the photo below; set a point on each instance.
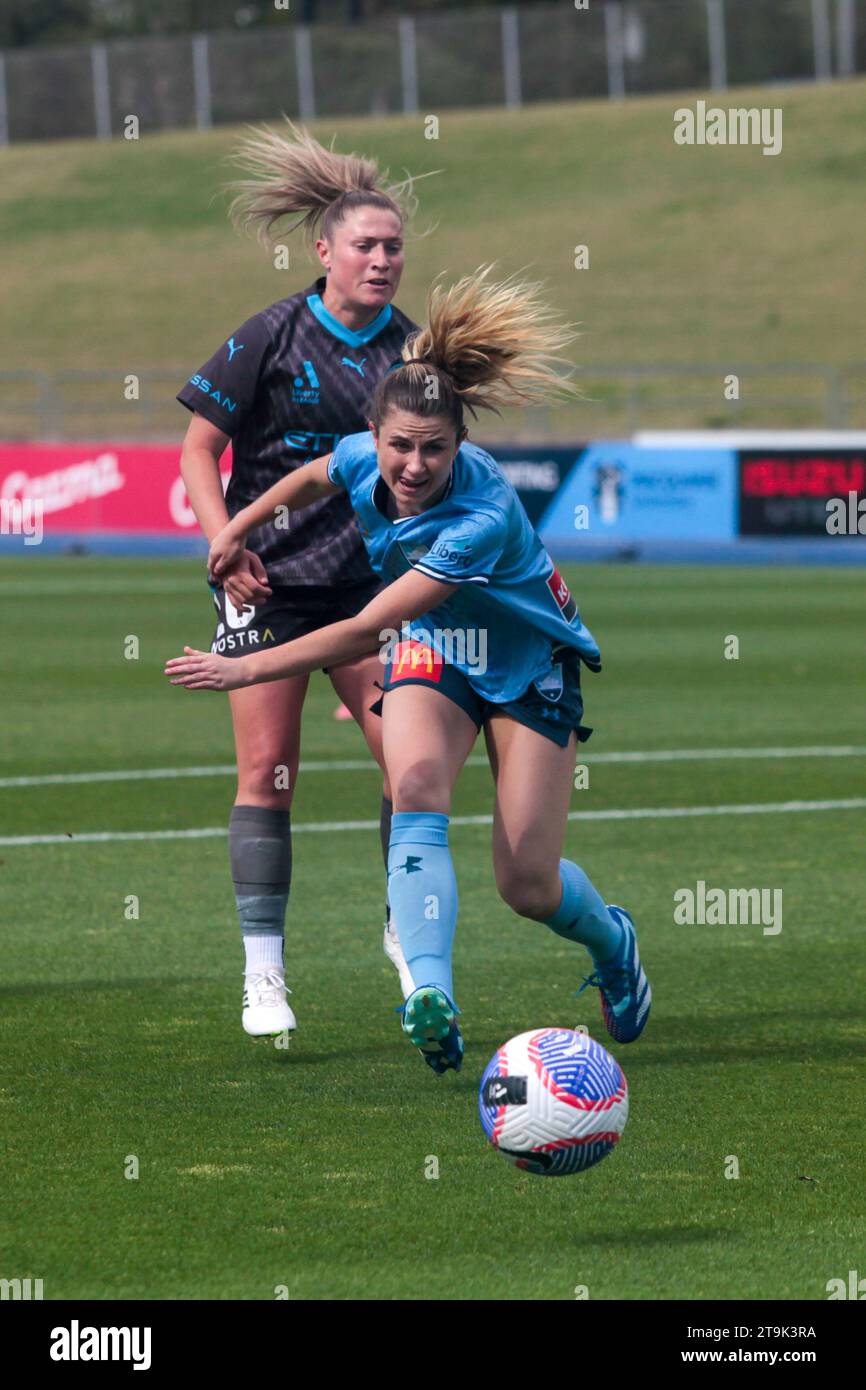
(287, 386)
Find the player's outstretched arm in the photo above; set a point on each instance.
(305, 485)
(410, 596)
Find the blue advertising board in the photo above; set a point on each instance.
(733, 497)
(619, 491)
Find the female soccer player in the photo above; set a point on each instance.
(286, 387)
(499, 648)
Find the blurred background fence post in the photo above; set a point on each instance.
(821, 40)
(304, 60)
(4, 117)
(846, 45)
(511, 57)
(716, 41)
(101, 92)
(440, 57)
(408, 65)
(201, 79)
(613, 31)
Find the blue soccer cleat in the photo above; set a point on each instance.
(625, 992)
(429, 1021)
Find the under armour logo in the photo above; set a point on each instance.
(412, 865)
(356, 366)
(232, 349)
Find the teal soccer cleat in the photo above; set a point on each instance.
(625, 992)
(429, 1021)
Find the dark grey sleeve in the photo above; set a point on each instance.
(224, 389)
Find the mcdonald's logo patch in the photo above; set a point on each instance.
(416, 660)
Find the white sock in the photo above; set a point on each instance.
(264, 951)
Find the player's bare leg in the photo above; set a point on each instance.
(267, 729)
(426, 739)
(355, 683)
(534, 778)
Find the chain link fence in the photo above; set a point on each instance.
(427, 62)
(617, 400)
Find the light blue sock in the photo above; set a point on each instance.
(582, 915)
(422, 891)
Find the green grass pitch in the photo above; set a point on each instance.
(305, 1167)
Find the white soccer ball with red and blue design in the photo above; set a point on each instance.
(553, 1101)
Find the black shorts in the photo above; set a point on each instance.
(552, 706)
(291, 611)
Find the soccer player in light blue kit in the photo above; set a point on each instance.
(480, 632)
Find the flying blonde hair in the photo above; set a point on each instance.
(486, 345)
(297, 177)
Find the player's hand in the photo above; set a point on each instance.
(205, 671)
(247, 581)
(226, 549)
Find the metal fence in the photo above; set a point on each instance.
(617, 400)
(427, 63)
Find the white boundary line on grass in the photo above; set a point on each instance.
(669, 755)
(856, 803)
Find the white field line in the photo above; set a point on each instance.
(670, 755)
(856, 803)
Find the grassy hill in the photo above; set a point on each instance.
(119, 256)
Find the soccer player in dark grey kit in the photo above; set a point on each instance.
(284, 388)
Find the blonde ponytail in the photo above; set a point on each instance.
(486, 345)
(295, 176)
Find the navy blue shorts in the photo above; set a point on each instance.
(552, 706)
(291, 611)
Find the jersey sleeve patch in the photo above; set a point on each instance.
(465, 552)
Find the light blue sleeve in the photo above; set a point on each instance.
(466, 551)
(337, 457)
(350, 459)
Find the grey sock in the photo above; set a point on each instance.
(385, 813)
(260, 849)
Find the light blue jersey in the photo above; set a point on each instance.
(511, 607)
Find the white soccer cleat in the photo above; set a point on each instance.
(266, 1013)
(394, 951)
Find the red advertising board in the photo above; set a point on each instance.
(785, 492)
(106, 488)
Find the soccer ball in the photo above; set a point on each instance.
(553, 1101)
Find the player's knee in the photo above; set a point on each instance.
(268, 778)
(529, 893)
(420, 788)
